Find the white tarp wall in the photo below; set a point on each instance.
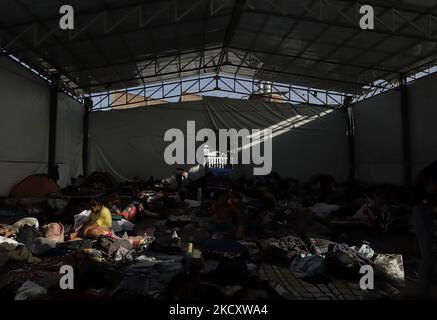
(24, 128)
(307, 140)
(130, 143)
(378, 133)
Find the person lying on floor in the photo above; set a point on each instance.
(98, 223)
(8, 231)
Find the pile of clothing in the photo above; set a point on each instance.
(314, 258)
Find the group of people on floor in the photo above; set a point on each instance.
(229, 219)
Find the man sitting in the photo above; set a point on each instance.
(98, 223)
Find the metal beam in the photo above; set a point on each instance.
(152, 78)
(420, 72)
(280, 43)
(42, 71)
(342, 44)
(389, 83)
(145, 60)
(105, 59)
(61, 44)
(319, 35)
(252, 42)
(95, 11)
(402, 51)
(388, 28)
(381, 41)
(147, 31)
(273, 54)
(124, 43)
(394, 5)
(391, 33)
(240, 86)
(215, 8)
(230, 31)
(300, 75)
(167, 70)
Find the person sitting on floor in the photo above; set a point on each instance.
(98, 223)
(223, 215)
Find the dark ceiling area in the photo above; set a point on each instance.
(310, 43)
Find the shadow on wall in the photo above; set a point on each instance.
(303, 145)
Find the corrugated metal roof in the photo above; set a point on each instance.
(312, 43)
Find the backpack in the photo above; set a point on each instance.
(27, 234)
(53, 231)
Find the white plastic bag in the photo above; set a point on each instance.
(324, 209)
(391, 267)
(8, 240)
(81, 218)
(30, 290)
(31, 222)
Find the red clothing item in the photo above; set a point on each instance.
(129, 213)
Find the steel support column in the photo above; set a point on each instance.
(52, 169)
(406, 133)
(351, 138)
(88, 105)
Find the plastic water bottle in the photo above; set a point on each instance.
(188, 258)
(175, 235)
